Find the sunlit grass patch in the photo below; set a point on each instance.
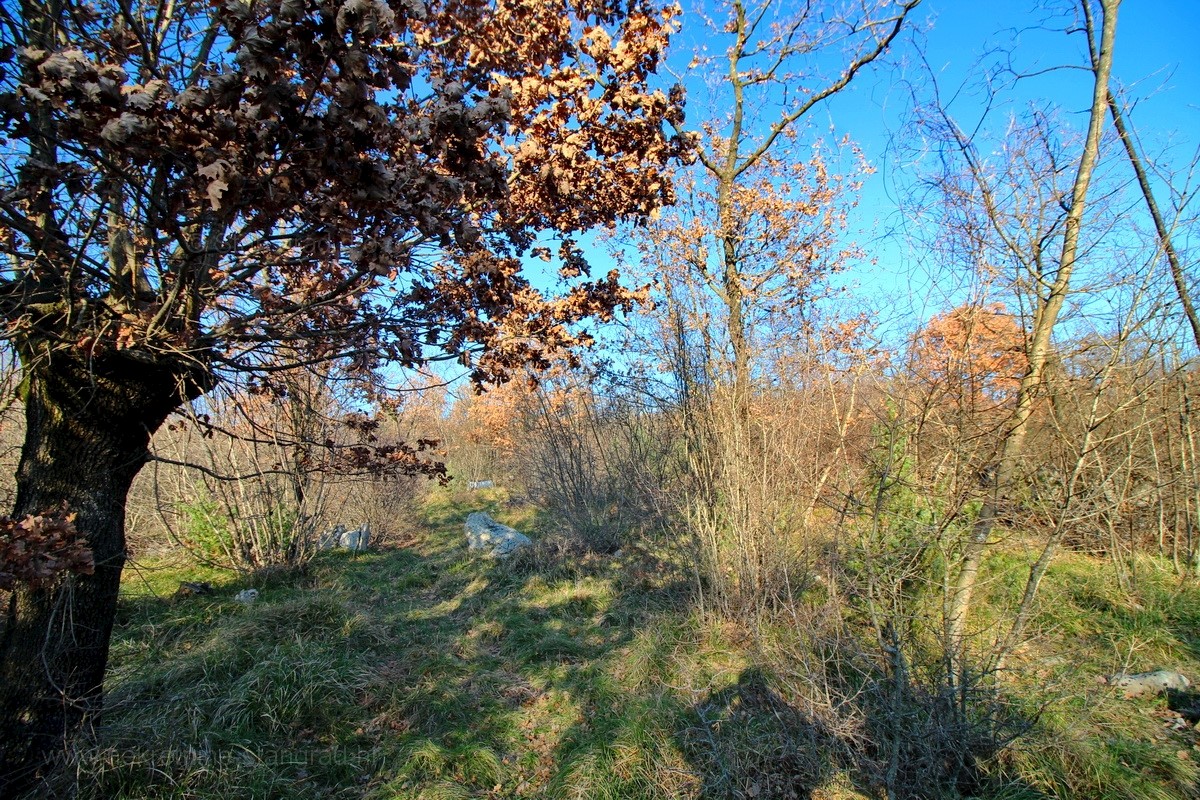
(1091, 741)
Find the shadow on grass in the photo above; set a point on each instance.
(506, 685)
(748, 741)
(417, 672)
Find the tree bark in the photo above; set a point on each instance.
(90, 418)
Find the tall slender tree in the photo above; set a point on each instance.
(1038, 229)
(762, 225)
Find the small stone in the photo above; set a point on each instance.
(246, 596)
(1149, 683)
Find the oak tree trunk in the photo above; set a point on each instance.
(89, 421)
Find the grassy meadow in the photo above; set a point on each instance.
(419, 670)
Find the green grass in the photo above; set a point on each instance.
(417, 672)
(1091, 741)
(426, 672)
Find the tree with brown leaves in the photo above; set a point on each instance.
(761, 224)
(195, 191)
(971, 359)
(753, 242)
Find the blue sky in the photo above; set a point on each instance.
(1156, 61)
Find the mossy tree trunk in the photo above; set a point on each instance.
(89, 421)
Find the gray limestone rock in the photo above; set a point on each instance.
(356, 539)
(484, 533)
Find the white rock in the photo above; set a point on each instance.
(356, 539)
(246, 596)
(331, 539)
(1152, 683)
(484, 533)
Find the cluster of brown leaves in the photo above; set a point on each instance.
(356, 179)
(492, 418)
(398, 458)
(291, 422)
(771, 246)
(37, 549)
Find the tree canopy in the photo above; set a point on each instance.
(213, 183)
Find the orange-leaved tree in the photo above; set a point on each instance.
(197, 191)
(971, 358)
(485, 430)
(965, 367)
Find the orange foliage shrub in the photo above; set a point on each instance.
(971, 358)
